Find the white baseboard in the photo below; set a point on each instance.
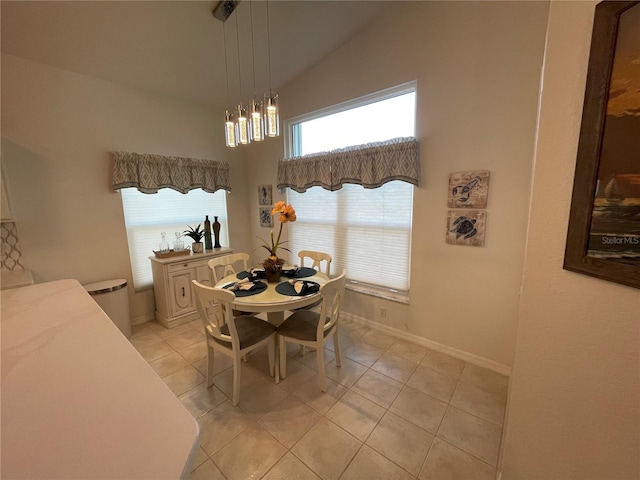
(410, 337)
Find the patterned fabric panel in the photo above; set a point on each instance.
(370, 165)
(149, 173)
(11, 254)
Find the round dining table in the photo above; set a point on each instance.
(269, 300)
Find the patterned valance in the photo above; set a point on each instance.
(370, 165)
(149, 173)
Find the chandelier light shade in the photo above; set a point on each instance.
(272, 116)
(243, 125)
(244, 129)
(257, 123)
(230, 137)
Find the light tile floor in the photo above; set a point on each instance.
(393, 410)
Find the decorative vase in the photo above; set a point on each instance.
(273, 268)
(274, 276)
(196, 247)
(216, 232)
(207, 233)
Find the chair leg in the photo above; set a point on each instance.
(336, 347)
(236, 380)
(302, 350)
(283, 358)
(210, 360)
(322, 378)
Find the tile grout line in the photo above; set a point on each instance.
(369, 368)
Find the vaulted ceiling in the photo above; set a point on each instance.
(177, 48)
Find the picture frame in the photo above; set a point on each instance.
(266, 219)
(466, 227)
(468, 189)
(603, 236)
(264, 195)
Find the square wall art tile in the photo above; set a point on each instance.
(466, 227)
(468, 189)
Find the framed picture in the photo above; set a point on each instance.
(466, 227)
(264, 195)
(266, 219)
(468, 189)
(603, 238)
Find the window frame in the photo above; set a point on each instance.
(292, 145)
(189, 219)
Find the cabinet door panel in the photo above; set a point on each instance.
(181, 292)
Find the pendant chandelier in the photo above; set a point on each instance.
(259, 118)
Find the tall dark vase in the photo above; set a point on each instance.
(216, 232)
(207, 233)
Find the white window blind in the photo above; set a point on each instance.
(366, 231)
(147, 216)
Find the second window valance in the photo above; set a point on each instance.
(149, 173)
(370, 165)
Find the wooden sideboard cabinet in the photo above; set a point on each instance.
(172, 284)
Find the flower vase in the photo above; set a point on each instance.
(273, 268)
(274, 276)
(216, 232)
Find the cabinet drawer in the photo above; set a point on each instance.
(185, 265)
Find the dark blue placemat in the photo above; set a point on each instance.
(257, 288)
(302, 272)
(285, 288)
(245, 274)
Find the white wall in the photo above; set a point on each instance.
(574, 402)
(477, 66)
(58, 128)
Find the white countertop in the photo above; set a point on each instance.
(78, 401)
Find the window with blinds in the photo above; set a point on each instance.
(366, 231)
(146, 216)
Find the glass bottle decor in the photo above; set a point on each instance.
(178, 244)
(216, 232)
(207, 233)
(164, 245)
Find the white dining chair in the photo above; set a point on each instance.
(227, 264)
(232, 336)
(316, 259)
(314, 329)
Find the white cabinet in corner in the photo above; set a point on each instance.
(172, 285)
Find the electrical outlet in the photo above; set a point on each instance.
(382, 312)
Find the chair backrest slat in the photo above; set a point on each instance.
(214, 308)
(227, 262)
(317, 258)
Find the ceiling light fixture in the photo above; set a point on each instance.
(242, 124)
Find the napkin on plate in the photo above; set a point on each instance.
(289, 269)
(301, 287)
(257, 272)
(243, 284)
